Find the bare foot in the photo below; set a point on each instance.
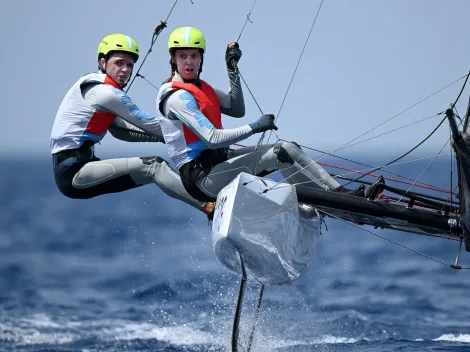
(208, 208)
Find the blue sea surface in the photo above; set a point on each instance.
(135, 271)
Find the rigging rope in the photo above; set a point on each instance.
(384, 122)
(403, 111)
(373, 170)
(425, 139)
(409, 194)
(249, 90)
(421, 185)
(235, 64)
(279, 185)
(403, 155)
(394, 242)
(246, 21)
(391, 131)
(461, 91)
(368, 166)
(432, 161)
(155, 35)
(260, 141)
(296, 66)
(368, 170)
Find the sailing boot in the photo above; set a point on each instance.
(358, 192)
(375, 189)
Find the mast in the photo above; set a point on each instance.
(461, 146)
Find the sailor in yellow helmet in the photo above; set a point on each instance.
(94, 105)
(190, 112)
(187, 47)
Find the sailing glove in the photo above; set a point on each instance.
(232, 55)
(264, 123)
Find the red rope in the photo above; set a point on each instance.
(449, 198)
(387, 178)
(374, 175)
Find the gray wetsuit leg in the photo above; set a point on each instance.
(288, 158)
(97, 174)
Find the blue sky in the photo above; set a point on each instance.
(366, 60)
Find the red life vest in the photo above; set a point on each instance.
(76, 121)
(208, 103)
(100, 121)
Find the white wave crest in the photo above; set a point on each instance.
(454, 338)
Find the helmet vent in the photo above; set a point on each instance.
(119, 45)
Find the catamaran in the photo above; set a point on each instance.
(266, 231)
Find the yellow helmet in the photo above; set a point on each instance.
(118, 42)
(186, 37)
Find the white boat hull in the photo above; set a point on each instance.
(276, 243)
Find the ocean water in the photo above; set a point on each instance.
(135, 271)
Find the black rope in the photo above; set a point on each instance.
(145, 79)
(157, 31)
(235, 64)
(155, 35)
(246, 21)
(401, 156)
(249, 90)
(420, 143)
(154, 38)
(461, 91)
